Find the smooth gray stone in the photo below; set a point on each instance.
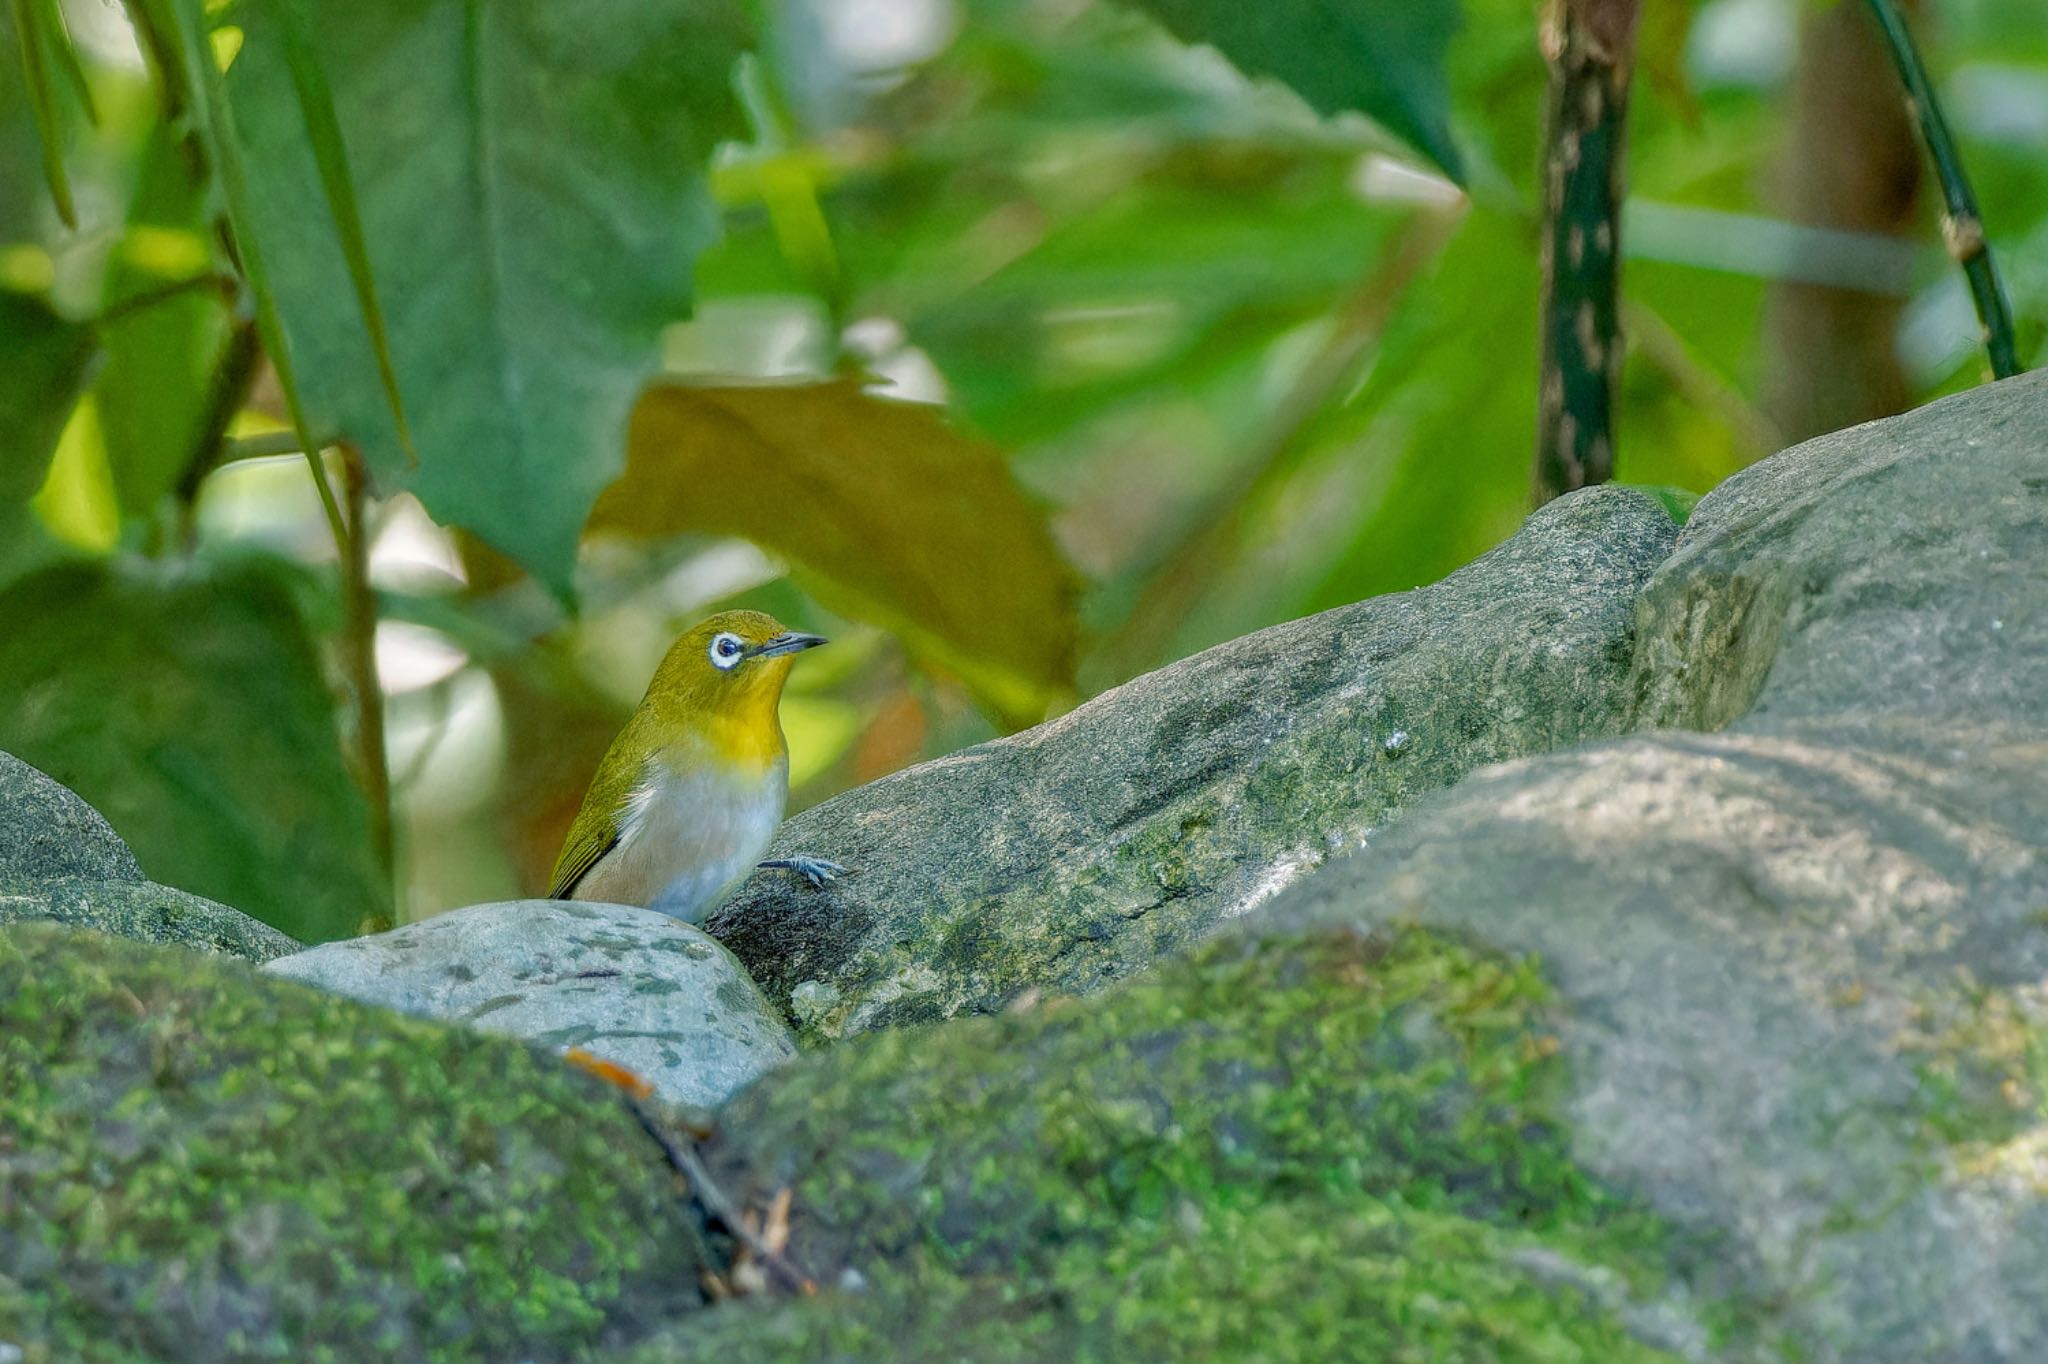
(633, 987)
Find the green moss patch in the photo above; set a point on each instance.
(200, 1162)
(1329, 1147)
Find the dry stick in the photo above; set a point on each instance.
(359, 642)
(1961, 229)
(690, 1166)
(1178, 573)
(1590, 47)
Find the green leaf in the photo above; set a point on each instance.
(44, 363)
(316, 106)
(189, 708)
(153, 391)
(910, 523)
(1676, 502)
(1382, 58)
(532, 189)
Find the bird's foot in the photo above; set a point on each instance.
(816, 870)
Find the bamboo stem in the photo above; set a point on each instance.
(1962, 230)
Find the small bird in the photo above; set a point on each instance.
(691, 791)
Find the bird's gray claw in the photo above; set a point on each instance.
(816, 870)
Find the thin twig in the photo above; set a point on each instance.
(1961, 228)
(359, 606)
(686, 1162)
(263, 445)
(225, 285)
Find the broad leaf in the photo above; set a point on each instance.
(190, 709)
(531, 181)
(44, 361)
(908, 522)
(1382, 58)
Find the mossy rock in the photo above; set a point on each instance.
(1330, 1147)
(1802, 958)
(200, 1162)
(59, 860)
(1078, 853)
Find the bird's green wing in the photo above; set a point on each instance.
(579, 855)
(596, 830)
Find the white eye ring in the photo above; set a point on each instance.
(726, 651)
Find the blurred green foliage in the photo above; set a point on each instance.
(1217, 343)
(187, 704)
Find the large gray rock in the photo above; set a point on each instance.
(1804, 960)
(637, 988)
(60, 860)
(1078, 852)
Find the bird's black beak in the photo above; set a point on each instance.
(788, 642)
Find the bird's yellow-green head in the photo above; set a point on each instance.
(721, 683)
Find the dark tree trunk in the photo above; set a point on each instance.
(1590, 45)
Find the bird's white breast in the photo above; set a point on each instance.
(687, 839)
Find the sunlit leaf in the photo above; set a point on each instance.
(76, 502)
(902, 519)
(532, 186)
(44, 362)
(189, 708)
(1382, 58)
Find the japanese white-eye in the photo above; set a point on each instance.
(691, 791)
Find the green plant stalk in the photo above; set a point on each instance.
(226, 393)
(42, 97)
(359, 644)
(1962, 229)
(1590, 47)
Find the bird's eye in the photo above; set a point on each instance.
(726, 651)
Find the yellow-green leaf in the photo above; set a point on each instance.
(907, 521)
